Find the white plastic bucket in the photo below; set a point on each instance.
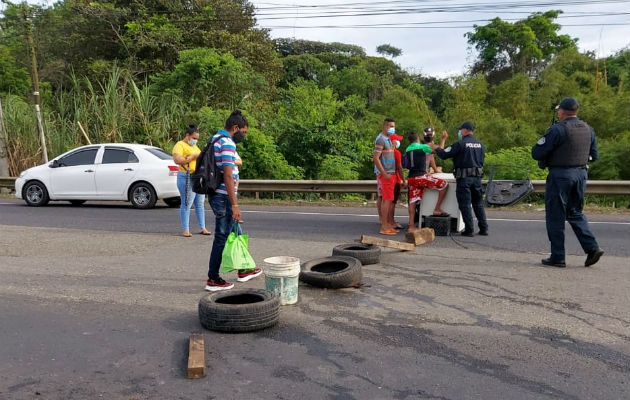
(281, 277)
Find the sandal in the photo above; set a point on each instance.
(388, 232)
(186, 234)
(205, 232)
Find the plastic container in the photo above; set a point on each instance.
(281, 277)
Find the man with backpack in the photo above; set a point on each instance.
(224, 199)
(415, 160)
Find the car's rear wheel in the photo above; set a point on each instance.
(173, 202)
(142, 195)
(77, 202)
(35, 194)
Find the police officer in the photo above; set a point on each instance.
(565, 149)
(468, 156)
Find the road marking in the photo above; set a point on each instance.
(376, 216)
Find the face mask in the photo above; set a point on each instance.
(397, 144)
(192, 142)
(238, 136)
(428, 139)
(459, 134)
(391, 131)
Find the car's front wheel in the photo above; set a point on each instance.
(142, 195)
(35, 194)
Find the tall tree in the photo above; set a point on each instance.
(388, 50)
(525, 46)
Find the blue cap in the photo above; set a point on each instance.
(467, 125)
(569, 104)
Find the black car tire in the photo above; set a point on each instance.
(35, 194)
(366, 253)
(77, 202)
(332, 272)
(239, 310)
(173, 202)
(142, 195)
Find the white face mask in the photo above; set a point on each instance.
(459, 134)
(192, 142)
(397, 144)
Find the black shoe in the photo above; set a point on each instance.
(592, 257)
(552, 263)
(482, 233)
(467, 233)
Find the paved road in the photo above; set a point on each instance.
(98, 302)
(510, 231)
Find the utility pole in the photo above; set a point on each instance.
(4, 154)
(35, 80)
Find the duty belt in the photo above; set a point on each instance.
(570, 167)
(466, 172)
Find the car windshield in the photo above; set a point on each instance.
(159, 153)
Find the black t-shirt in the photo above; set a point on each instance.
(419, 163)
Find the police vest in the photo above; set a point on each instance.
(574, 151)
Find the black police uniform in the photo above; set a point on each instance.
(468, 155)
(565, 149)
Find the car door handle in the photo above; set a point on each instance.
(88, 170)
(128, 169)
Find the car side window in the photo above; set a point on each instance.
(81, 157)
(119, 156)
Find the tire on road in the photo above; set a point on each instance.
(173, 202)
(366, 253)
(332, 272)
(142, 195)
(239, 310)
(35, 194)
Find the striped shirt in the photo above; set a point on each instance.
(384, 147)
(225, 154)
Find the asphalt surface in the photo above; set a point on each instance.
(510, 231)
(98, 301)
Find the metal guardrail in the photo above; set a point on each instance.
(368, 186)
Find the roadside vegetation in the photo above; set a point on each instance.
(140, 71)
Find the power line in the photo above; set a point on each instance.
(408, 27)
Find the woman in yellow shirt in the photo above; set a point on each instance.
(185, 154)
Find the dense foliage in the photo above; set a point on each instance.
(140, 71)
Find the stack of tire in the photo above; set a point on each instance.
(240, 310)
(342, 269)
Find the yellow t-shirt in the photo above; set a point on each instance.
(184, 149)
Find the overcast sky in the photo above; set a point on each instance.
(431, 33)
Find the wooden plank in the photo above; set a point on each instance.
(386, 243)
(196, 357)
(421, 236)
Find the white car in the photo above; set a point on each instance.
(137, 173)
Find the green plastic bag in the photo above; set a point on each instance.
(236, 254)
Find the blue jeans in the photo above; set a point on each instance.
(564, 200)
(469, 193)
(193, 198)
(222, 208)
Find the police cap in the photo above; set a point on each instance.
(569, 104)
(467, 125)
